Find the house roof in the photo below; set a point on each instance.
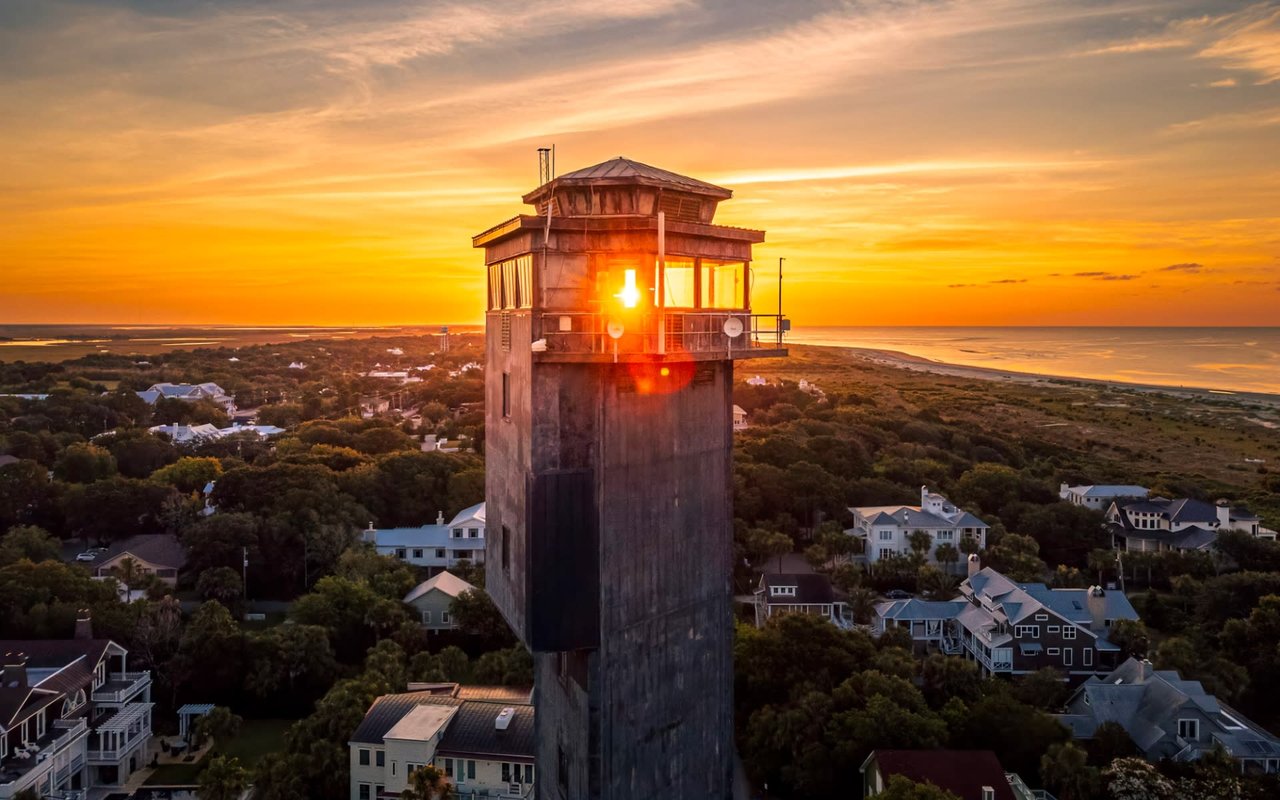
(163, 549)
(445, 582)
(962, 772)
(624, 170)
(434, 535)
(473, 731)
(19, 702)
(811, 588)
(498, 694)
(389, 709)
(421, 722)
(56, 653)
(1110, 490)
(916, 609)
(1148, 702)
(916, 518)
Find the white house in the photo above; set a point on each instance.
(739, 418)
(183, 434)
(1159, 524)
(886, 530)
(481, 738)
(1100, 496)
(190, 392)
(435, 546)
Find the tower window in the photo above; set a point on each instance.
(506, 548)
(506, 395)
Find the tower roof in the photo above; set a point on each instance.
(624, 171)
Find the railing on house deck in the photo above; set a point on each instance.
(674, 333)
(121, 686)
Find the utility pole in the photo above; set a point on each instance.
(244, 573)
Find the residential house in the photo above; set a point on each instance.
(886, 530)
(481, 738)
(1169, 718)
(158, 554)
(437, 546)
(72, 716)
(191, 392)
(432, 599)
(1100, 497)
(1015, 628)
(967, 774)
(1159, 524)
(803, 593)
(739, 418)
(184, 434)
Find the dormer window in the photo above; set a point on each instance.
(782, 591)
(1189, 729)
(456, 533)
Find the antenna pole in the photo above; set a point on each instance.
(662, 282)
(779, 323)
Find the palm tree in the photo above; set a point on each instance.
(862, 604)
(969, 545)
(920, 542)
(934, 582)
(948, 555)
(128, 572)
(1101, 560)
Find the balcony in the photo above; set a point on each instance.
(45, 760)
(121, 687)
(119, 733)
(675, 335)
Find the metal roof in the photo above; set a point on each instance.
(622, 170)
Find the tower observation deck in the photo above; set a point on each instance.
(615, 313)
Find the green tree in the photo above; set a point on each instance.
(1018, 557)
(989, 486)
(220, 725)
(816, 556)
(84, 463)
(279, 776)
(901, 788)
(1130, 636)
(1065, 770)
(29, 542)
(1136, 779)
(944, 677)
(862, 604)
(210, 661)
(948, 555)
(140, 454)
(291, 665)
(510, 667)
(129, 572)
(474, 612)
(223, 779)
(935, 583)
(1103, 562)
(920, 542)
(354, 614)
(189, 474)
(1045, 689)
(222, 584)
(389, 577)
(427, 783)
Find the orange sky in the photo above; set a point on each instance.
(325, 162)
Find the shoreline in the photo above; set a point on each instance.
(900, 360)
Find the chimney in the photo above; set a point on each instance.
(924, 495)
(439, 517)
(988, 793)
(504, 719)
(1224, 515)
(1063, 490)
(975, 565)
(84, 625)
(15, 670)
(1097, 600)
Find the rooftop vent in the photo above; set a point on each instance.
(504, 719)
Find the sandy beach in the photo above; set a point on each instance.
(899, 360)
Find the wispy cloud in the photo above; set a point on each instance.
(1189, 267)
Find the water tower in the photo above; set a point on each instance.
(615, 313)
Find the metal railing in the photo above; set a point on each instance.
(137, 681)
(672, 332)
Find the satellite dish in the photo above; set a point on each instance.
(733, 327)
(615, 329)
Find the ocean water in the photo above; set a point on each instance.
(1223, 359)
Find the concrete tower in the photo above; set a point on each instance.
(615, 313)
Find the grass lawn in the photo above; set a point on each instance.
(257, 738)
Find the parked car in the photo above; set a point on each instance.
(897, 594)
(88, 555)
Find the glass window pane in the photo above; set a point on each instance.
(722, 284)
(679, 288)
